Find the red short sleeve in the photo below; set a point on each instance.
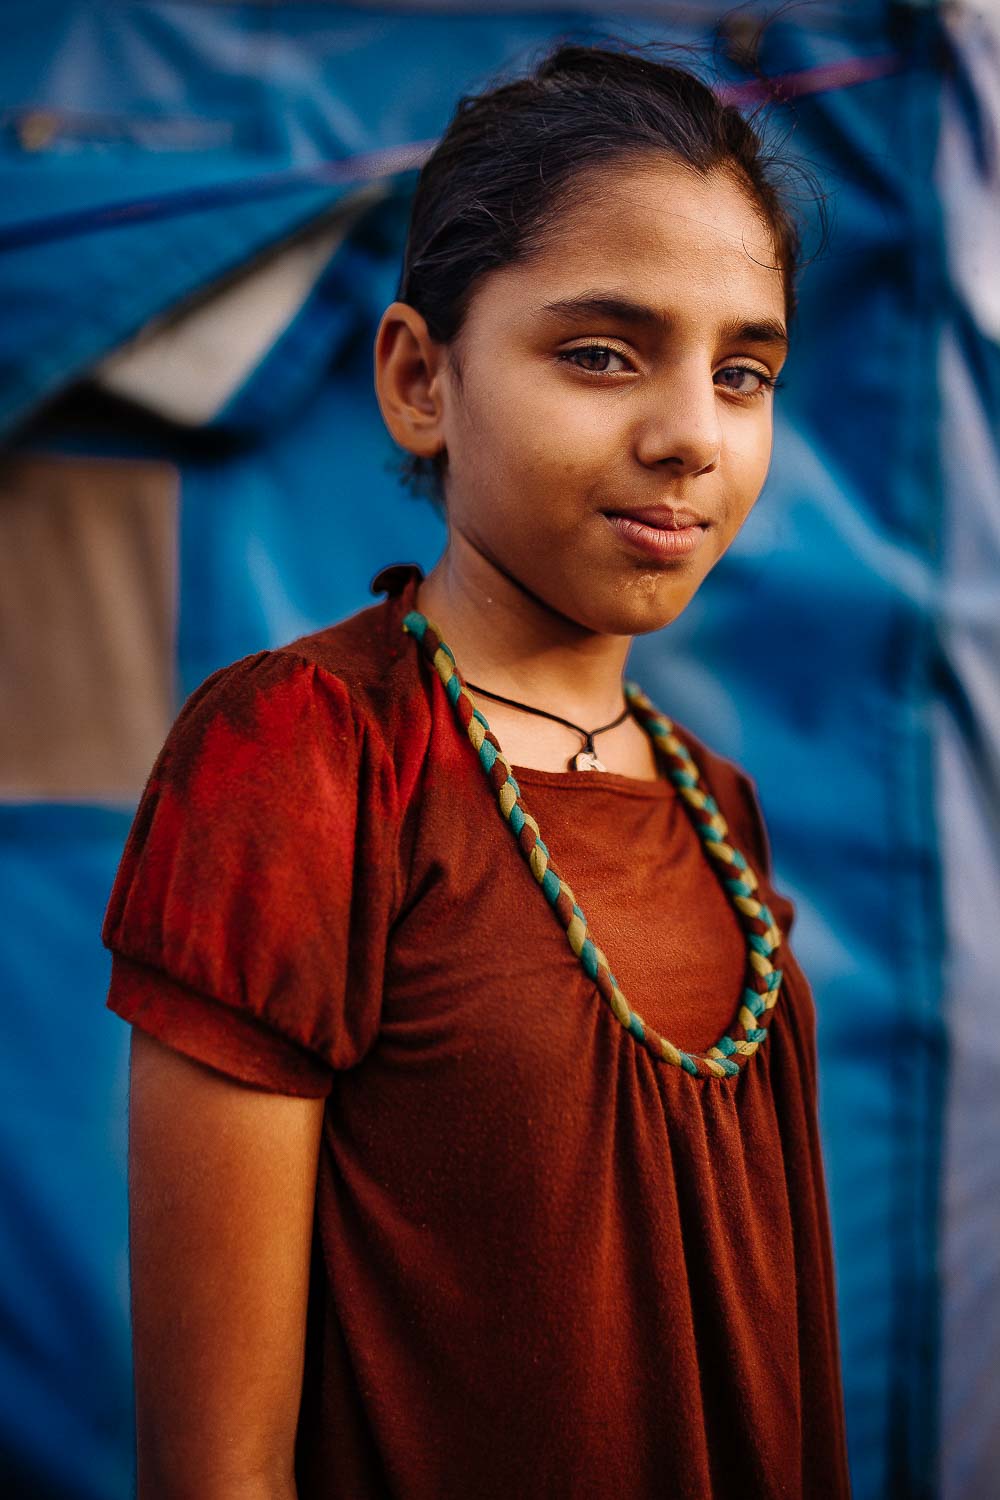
(249, 917)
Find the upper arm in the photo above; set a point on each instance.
(222, 1182)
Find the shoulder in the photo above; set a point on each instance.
(736, 793)
(274, 770)
(348, 693)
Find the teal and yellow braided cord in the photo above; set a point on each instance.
(762, 980)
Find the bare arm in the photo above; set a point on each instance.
(221, 1191)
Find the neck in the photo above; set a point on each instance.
(513, 643)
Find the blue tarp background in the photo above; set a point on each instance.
(815, 654)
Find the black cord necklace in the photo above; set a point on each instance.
(586, 759)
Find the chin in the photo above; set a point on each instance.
(642, 606)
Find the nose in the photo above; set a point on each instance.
(679, 429)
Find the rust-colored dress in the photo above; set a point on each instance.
(547, 1265)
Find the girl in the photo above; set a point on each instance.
(473, 1140)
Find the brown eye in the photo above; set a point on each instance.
(746, 382)
(592, 357)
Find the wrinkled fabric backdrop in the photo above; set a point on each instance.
(202, 208)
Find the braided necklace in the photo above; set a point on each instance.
(762, 981)
(586, 759)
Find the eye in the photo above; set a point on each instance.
(594, 358)
(747, 382)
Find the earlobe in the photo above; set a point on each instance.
(408, 363)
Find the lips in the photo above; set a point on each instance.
(662, 517)
(664, 534)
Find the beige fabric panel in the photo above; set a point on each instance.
(88, 590)
(188, 363)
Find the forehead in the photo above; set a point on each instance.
(675, 238)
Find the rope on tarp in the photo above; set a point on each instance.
(370, 166)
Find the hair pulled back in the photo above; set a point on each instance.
(505, 169)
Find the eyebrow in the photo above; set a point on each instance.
(590, 305)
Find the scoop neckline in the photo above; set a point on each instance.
(656, 789)
(728, 1058)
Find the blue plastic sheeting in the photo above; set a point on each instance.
(153, 110)
(65, 1428)
(813, 653)
(967, 733)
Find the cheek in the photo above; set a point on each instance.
(748, 454)
(538, 423)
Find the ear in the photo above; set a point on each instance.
(409, 365)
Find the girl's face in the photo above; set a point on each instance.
(611, 427)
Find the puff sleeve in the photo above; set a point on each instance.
(249, 917)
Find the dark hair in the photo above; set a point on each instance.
(504, 169)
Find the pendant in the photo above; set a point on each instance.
(586, 760)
